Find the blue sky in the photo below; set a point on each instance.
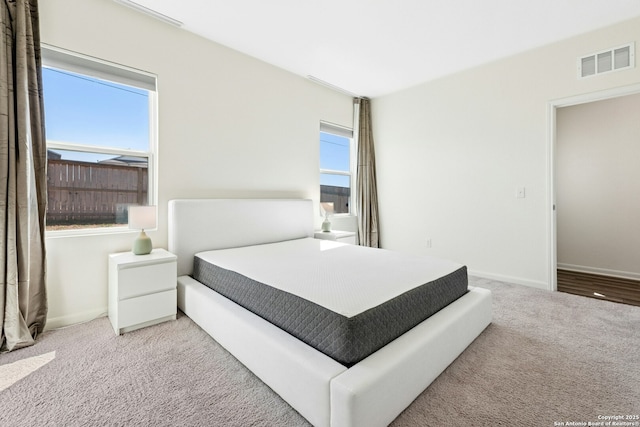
(89, 111)
(84, 110)
(334, 154)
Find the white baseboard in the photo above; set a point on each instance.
(510, 279)
(601, 271)
(73, 319)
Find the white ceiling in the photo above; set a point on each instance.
(374, 47)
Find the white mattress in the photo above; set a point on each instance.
(345, 279)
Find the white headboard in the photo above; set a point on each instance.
(197, 225)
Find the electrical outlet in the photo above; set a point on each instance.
(520, 193)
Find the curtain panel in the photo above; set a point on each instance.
(366, 188)
(23, 179)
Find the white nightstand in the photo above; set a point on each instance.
(142, 289)
(339, 236)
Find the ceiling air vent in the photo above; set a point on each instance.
(617, 58)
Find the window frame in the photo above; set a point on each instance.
(347, 132)
(65, 60)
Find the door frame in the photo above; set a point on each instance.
(552, 107)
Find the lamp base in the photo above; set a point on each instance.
(142, 245)
(326, 225)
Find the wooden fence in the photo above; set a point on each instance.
(340, 196)
(93, 193)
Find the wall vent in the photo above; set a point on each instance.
(606, 61)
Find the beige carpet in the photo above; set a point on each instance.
(547, 358)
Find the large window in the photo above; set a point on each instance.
(336, 166)
(100, 140)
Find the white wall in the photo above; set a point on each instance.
(452, 152)
(598, 186)
(229, 126)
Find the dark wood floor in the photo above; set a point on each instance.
(614, 289)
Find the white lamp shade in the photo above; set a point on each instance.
(142, 217)
(327, 208)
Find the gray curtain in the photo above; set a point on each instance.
(366, 190)
(23, 179)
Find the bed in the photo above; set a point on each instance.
(367, 389)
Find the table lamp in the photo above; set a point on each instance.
(141, 218)
(327, 209)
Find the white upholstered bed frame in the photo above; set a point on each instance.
(371, 393)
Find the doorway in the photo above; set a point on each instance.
(595, 180)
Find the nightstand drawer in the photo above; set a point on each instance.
(351, 240)
(147, 279)
(146, 308)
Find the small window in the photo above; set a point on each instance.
(100, 140)
(336, 166)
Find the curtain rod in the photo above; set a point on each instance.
(332, 86)
(150, 12)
